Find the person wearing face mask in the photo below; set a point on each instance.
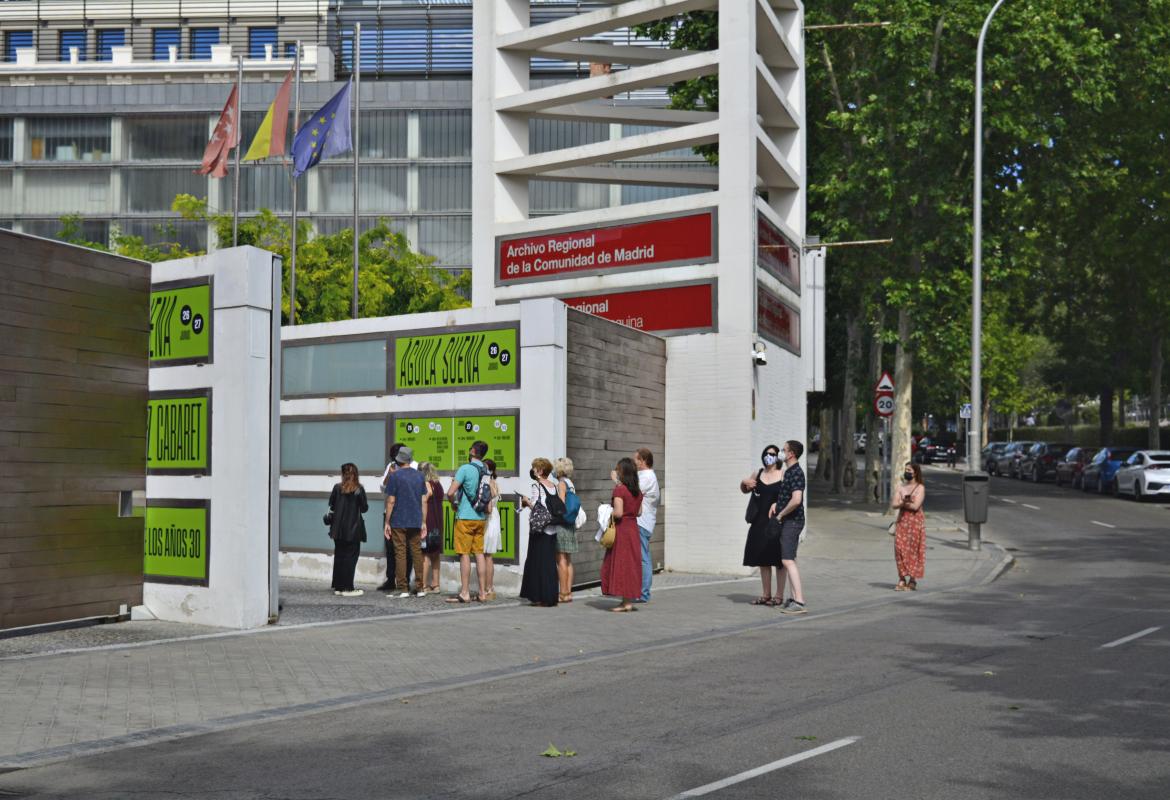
(540, 586)
(763, 540)
(910, 529)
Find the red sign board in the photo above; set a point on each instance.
(776, 253)
(776, 320)
(883, 404)
(671, 309)
(684, 239)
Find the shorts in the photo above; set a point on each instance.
(566, 537)
(790, 538)
(469, 536)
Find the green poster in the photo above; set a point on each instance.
(429, 438)
(508, 518)
(180, 324)
(498, 430)
(176, 541)
(456, 360)
(179, 433)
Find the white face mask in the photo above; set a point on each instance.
(769, 460)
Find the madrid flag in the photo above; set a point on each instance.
(225, 137)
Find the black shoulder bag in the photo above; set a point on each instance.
(753, 506)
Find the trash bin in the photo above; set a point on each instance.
(976, 494)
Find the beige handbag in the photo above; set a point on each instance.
(610, 536)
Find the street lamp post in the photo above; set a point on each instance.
(975, 433)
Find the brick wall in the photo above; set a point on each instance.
(616, 404)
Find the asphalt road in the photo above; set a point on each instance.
(1010, 690)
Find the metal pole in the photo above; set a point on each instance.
(292, 275)
(975, 432)
(236, 178)
(357, 111)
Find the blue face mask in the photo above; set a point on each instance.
(769, 460)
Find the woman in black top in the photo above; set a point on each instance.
(763, 540)
(347, 529)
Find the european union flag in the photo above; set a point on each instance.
(326, 133)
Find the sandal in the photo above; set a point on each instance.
(622, 609)
(566, 598)
(458, 599)
(762, 601)
(912, 586)
(901, 587)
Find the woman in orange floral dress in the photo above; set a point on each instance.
(910, 529)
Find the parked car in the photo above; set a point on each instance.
(1144, 474)
(1040, 460)
(989, 453)
(927, 451)
(1070, 467)
(1098, 474)
(1008, 462)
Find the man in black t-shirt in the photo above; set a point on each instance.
(789, 512)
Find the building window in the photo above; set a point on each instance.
(16, 40)
(67, 40)
(383, 134)
(444, 187)
(154, 189)
(448, 239)
(68, 139)
(164, 231)
(445, 134)
(163, 39)
(169, 137)
(290, 49)
(91, 230)
(201, 41)
(107, 39)
(381, 188)
(257, 38)
(5, 139)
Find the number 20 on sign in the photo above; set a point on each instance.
(883, 404)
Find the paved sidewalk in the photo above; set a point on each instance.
(110, 696)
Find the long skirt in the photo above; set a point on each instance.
(540, 584)
(345, 558)
(910, 544)
(621, 571)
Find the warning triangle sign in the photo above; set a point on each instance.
(886, 384)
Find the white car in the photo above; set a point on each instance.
(1144, 474)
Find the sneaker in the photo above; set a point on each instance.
(353, 593)
(337, 592)
(420, 593)
(404, 594)
(793, 607)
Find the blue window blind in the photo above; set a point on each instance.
(163, 39)
(16, 40)
(290, 49)
(257, 38)
(201, 41)
(70, 39)
(109, 38)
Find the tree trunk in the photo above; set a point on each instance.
(1121, 408)
(1106, 416)
(986, 422)
(873, 425)
(1156, 360)
(903, 391)
(825, 458)
(842, 471)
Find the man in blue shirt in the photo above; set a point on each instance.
(406, 500)
(469, 523)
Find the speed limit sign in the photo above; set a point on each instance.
(883, 404)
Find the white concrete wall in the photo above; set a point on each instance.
(240, 486)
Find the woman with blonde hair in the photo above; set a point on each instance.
(432, 532)
(566, 534)
(347, 529)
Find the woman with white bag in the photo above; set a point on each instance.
(491, 535)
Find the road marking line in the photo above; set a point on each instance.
(758, 771)
(1004, 499)
(1102, 524)
(1029, 505)
(1131, 637)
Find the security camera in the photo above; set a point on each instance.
(759, 354)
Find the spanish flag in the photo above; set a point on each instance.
(270, 139)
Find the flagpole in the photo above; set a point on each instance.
(357, 141)
(239, 141)
(292, 289)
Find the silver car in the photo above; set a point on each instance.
(1144, 474)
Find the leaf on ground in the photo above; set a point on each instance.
(1013, 708)
(552, 751)
(570, 753)
(562, 672)
(806, 738)
(988, 673)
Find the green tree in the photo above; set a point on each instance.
(392, 277)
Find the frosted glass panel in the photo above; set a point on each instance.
(302, 527)
(324, 446)
(337, 367)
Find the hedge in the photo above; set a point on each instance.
(1084, 435)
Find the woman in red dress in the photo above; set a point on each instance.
(910, 530)
(621, 571)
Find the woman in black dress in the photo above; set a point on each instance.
(540, 585)
(347, 529)
(763, 540)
